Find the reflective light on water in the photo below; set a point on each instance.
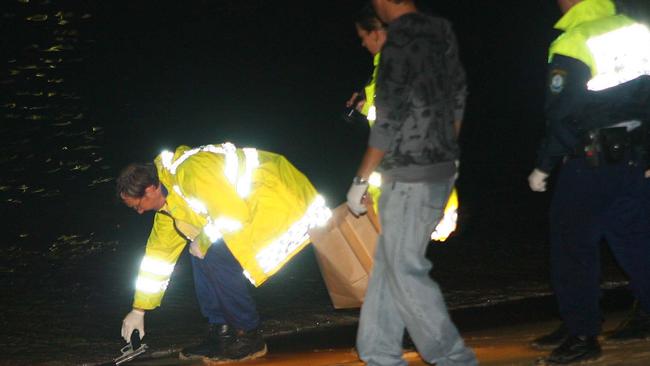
(49, 146)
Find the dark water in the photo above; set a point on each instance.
(88, 86)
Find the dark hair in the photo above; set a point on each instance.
(135, 178)
(368, 20)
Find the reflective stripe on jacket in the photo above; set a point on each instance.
(368, 108)
(614, 47)
(257, 201)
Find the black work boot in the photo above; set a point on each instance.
(635, 328)
(241, 346)
(551, 340)
(575, 349)
(212, 345)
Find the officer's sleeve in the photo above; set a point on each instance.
(566, 97)
(164, 246)
(392, 91)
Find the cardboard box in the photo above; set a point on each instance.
(344, 251)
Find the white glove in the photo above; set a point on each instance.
(356, 196)
(537, 180)
(195, 251)
(133, 320)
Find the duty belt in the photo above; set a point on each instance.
(611, 144)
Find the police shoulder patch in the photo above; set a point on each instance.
(557, 80)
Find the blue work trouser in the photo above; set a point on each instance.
(401, 294)
(223, 290)
(611, 201)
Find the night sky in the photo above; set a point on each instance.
(275, 75)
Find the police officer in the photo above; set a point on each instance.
(243, 213)
(597, 111)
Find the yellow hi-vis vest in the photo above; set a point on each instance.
(447, 224)
(256, 201)
(614, 47)
(368, 108)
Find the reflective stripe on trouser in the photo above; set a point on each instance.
(222, 289)
(401, 294)
(589, 204)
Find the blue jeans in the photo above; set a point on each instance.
(401, 294)
(223, 290)
(589, 204)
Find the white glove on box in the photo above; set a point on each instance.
(537, 180)
(133, 320)
(356, 196)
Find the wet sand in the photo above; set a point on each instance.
(509, 345)
(489, 331)
(65, 307)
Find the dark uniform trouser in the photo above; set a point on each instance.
(589, 204)
(223, 290)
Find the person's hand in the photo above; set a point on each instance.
(195, 251)
(355, 102)
(647, 173)
(133, 320)
(537, 180)
(357, 197)
(350, 101)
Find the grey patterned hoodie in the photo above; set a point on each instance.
(421, 90)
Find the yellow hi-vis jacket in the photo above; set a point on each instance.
(257, 201)
(368, 108)
(614, 47)
(448, 222)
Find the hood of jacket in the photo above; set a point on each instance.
(586, 11)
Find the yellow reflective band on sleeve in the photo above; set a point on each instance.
(215, 229)
(249, 277)
(374, 179)
(372, 114)
(227, 149)
(196, 205)
(172, 165)
(232, 162)
(252, 162)
(448, 224)
(167, 158)
(445, 227)
(275, 253)
(150, 286)
(154, 275)
(620, 56)
(156, 267)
